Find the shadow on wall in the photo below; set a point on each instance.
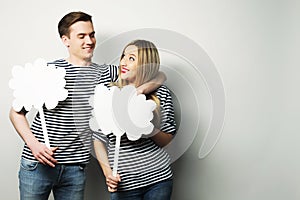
(95, 183)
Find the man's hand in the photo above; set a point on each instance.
(153, 84)
(43, 154)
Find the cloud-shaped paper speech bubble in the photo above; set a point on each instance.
(103, 115)
(121, 110)
(37, 84)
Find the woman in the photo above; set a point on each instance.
(144, 171)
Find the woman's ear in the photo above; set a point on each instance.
(65, 40)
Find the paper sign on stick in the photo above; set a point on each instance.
(121, 110)
(36, 85)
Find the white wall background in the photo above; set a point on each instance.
(255, 47)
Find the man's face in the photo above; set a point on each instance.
(82, 41)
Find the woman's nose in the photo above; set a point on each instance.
(123, 62)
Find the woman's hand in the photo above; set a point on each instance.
(112, 182)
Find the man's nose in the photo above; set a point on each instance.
(88, 40)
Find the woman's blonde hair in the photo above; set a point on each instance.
(148, 62)
(148, 67)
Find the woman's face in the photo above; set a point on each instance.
(129, 64)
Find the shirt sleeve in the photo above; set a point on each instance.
(168, 123)
(114, 72)
(106, 74)
(98, 135)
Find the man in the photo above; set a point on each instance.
(61, 167)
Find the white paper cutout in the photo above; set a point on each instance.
(121, 110)
(35, 85)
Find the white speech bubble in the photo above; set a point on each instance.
(200, 69)
(121, 110)
(36, 85)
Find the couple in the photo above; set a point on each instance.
(144, 171)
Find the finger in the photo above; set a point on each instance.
(111, 181)
(40, 160)
(53, 149)
(49, 157)
(46, 161)
(111, 189)
(49, 163)
(112, 185)
(113, 178)
(119, 177)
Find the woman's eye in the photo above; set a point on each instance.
(131, 59)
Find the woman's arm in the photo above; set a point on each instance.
(111, 181)
(161, 138)
(163, 134)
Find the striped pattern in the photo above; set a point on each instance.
(68, 123)
(142, 162)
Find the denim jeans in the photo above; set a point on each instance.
(37, 180)
(159, 191)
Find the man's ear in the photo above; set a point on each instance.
(65, 40)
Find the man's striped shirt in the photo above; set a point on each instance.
(68, 123)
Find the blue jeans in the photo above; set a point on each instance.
(37, 180)
(159, 191)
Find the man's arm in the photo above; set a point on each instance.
(39, 150)
(146, 88)
(153, 84)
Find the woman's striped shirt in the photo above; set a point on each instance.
(142, 162)
(68, 123)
